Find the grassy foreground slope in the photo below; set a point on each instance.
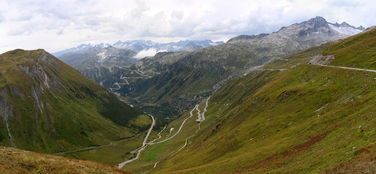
(47, 106)
(14, 161)
(305, 119)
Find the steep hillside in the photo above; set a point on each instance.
(170, 83)
(47, 106)
(14, 161)
(294, 115)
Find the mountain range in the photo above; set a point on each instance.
(104, 63)
(171, 82)
(138, 46)
(298, 100)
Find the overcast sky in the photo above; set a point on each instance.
(59, 24)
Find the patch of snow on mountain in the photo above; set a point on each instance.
(102, 56)
(345, 30)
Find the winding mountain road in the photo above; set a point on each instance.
(177, 132)
(348, 68)
(205, 109)
(201, 115)
(144, 145)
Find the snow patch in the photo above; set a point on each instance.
(349, 31)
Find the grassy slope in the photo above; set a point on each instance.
(14, 161)
(307, 119)
(357, 51)
(76, 112)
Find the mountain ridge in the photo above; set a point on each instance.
(180, 80)
(40, 96)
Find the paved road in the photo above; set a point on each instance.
(205, 109)
(349, 68)
(177, 132)
(198, 128)
(144, 145)
(201, 115)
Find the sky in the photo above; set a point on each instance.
(59, 24)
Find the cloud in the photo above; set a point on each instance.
(56, 25)
(1, 18)
(146, 53)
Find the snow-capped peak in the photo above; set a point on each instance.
(345, 29)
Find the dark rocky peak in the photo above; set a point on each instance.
(360, 28)
(345, 24)
(317, 22)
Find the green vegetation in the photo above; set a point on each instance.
(50, 107)
(112, 153)
(305, 119)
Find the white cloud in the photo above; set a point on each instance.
(58, 24)
(146, 53)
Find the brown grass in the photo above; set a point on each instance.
(364, 162)
(15, 161)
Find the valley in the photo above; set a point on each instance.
(170, 83)
(297, 100)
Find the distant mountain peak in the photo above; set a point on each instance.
(317, 27)
(317, 22)
(318, 19)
